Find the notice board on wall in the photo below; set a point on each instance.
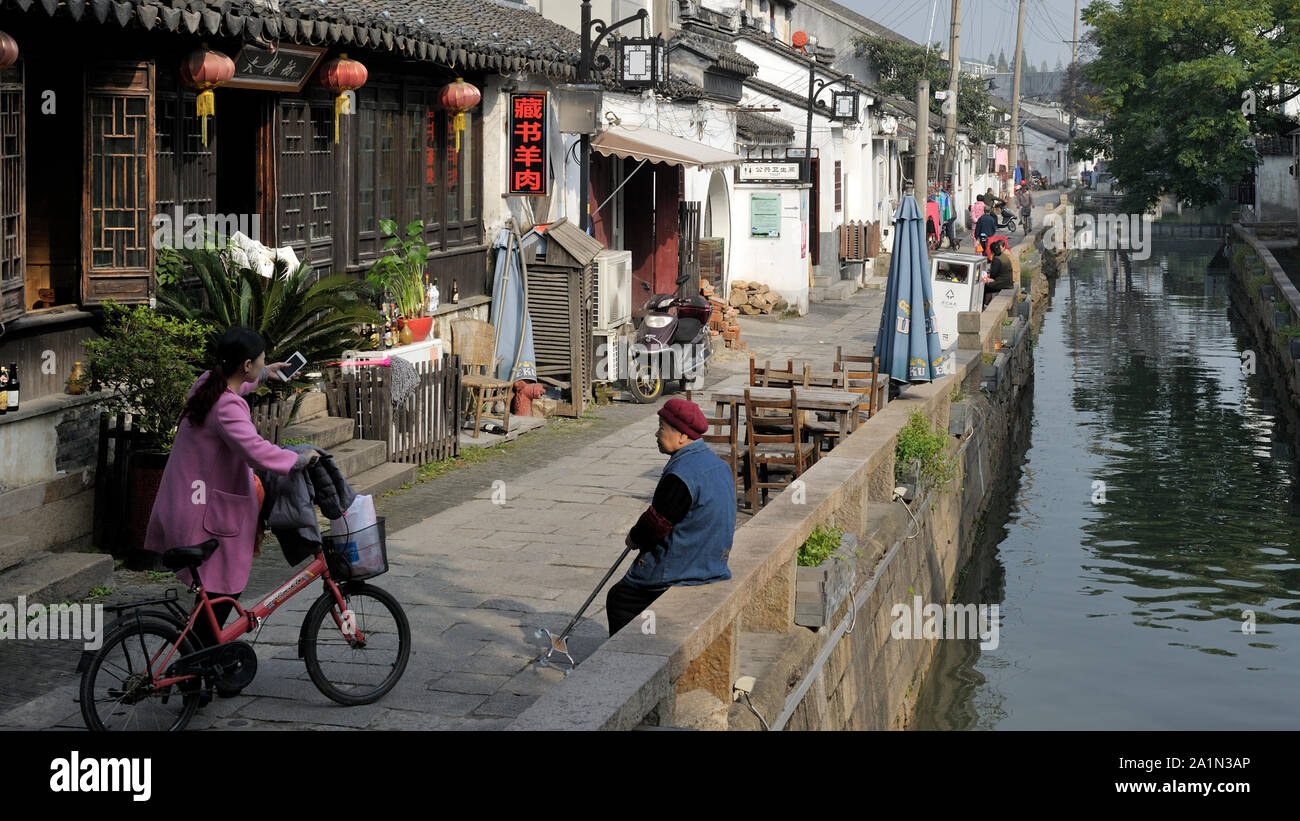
(765, 215)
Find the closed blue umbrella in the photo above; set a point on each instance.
(514, 327)
(907, 343)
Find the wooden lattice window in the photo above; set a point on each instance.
(12, 246)
(186, 170)
(117, 252)
(839, 188)
(305, 213)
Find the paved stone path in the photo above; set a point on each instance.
(476, 578)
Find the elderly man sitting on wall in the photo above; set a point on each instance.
(685, 535)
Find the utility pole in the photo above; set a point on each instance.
(950, 104)
(1074, 93)
(1013, 153)
(922, 157)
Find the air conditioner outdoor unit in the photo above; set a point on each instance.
(612, 300)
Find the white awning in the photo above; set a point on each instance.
(656, 146)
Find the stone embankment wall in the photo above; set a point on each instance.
(1270, 305)
(850, 674)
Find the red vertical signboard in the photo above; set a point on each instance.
(528, 176)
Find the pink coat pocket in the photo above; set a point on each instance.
(225, 513)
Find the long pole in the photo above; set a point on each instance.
(954, 79)
(807, 142)
(920, 175)
(1074, 92)
(584, 141)
(1013, 152)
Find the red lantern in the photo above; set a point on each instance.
(458, 98)
(8, 51)
(203, 71)
(342, 75)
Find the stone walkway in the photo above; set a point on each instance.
(478, 578)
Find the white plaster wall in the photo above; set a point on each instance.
(1275, 189)
(776, 262)
(27, 451)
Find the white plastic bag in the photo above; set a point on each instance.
(359, 515)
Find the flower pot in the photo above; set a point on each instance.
(1268, 292)
(144, 478)
(419, 328)
(1281, 319)
(1293, 348)
(959, 418)
(819, 591)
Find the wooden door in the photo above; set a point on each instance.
(13, 234)
(117, 252)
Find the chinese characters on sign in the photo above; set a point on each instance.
(285, 69)
(528, 173)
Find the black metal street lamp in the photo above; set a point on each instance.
(845, 103)
(643, 63)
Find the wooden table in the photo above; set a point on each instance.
(844, 404)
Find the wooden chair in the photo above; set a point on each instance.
(771, 451)
(862, 376)
(769, 377)
(472, 341)
(825, 428)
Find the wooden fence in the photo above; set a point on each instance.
(425, 427)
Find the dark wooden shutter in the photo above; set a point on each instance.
(13, 244)
(306, 170)
(839, 188)
(118, 198)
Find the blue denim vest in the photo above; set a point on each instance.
(696, 550)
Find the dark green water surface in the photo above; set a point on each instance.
(1128, 613)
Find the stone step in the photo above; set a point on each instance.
(326, 432)
(312, 407)
(385, 477)
(820, 281)
(356, 456)
(50, 578)
(817, 295)
(841, 290)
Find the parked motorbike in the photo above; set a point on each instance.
(672, 343)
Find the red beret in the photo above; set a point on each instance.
(685, 417)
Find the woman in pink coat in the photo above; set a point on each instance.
(207, 489)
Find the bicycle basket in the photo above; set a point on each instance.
(362, 554)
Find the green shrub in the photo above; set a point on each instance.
(1255, 282)
(1282, 306)
(919, 443)
(146, 361)
(820, 546)
(1289, 332)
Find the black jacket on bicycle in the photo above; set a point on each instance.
(291, 501)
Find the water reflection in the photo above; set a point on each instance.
(1125, 608)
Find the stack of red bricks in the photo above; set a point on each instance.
(722, 322)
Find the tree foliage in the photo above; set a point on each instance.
(901, 65)
(1171, 75)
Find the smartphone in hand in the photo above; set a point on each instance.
(294, 364)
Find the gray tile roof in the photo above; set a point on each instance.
(754, 127)
(477, 35)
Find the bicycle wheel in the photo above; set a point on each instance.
(116, 691)
(351, 670)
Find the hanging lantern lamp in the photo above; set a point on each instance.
(8, 51)
(341, 75)
(458, 98)
(203, 71)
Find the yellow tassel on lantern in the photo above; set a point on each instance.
(207, 106)
(341, 106)
(458, 123)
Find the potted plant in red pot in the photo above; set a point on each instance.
(400, 271)
(144, 361)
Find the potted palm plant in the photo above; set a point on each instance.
(144, 362)
(400, 271)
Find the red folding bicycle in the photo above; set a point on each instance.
(151, 670)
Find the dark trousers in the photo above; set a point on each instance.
(625, 602)
(202, 630)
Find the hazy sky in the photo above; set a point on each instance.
(986, 25)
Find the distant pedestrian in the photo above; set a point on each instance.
(685, 535)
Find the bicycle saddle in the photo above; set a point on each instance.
(181, 557)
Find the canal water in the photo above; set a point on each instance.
(1153, 508)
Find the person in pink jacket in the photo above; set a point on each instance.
(207, 489)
